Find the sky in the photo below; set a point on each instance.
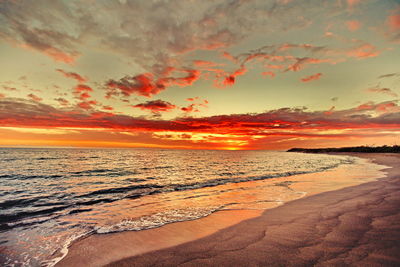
(200, 74)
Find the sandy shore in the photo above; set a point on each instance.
(356, 226)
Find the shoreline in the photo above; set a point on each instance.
(139, 247)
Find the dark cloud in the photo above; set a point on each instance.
(389, 75)
(62, 101)
(386, 91)
(156, 106)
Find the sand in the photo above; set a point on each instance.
(354, 226)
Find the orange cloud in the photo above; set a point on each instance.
(363, 51)
(73, 75)
(352, 3)
(377, 120)
(268, 73)
(353, 25)
(394, 22)
(35, 97)
(312, 77)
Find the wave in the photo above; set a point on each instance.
(110, 195)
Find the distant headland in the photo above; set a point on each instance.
(360, 149)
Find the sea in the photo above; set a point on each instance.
(50, 197)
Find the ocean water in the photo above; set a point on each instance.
(50, 197)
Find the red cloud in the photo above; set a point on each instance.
(2, 95)
(156, 106)
(35, 97)
(256, 130)
(190, 108)
(142, 84)
(73, 75)
(353, 25)
(82, 91)
(229, 80)
(87, 104)
(194, 106)
(108, 108)
(146, 85)
(192, 76)
(82, 88)
(312, 77)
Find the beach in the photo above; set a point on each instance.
(353, 226)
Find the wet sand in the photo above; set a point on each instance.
(354, 226)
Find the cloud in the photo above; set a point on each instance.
(17, 28)
(73, 75)
(378, 89)
(146, 84)
(353, 3)
(109, 108)
(312, 77)
(394, 22)
(268, 73)
(383, 115)
(156, 106)
(142, 84)
(363, 50)
(353, 25)
(330, 111)
(62, 101)
(228, 79)
(190, 108)
(81, 91)
(169, 31)
(383, 107)
(389, 75)
(82, 88)
(87, 104)
(35, 97)
(9, 88)
(197, 102)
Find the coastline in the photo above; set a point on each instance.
(245, 232)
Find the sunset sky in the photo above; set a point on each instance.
(245, 74)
